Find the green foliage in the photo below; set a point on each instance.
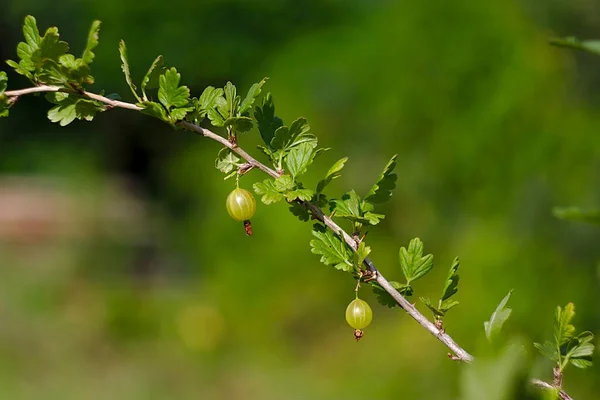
(4, 104)
(333, 250)
(267, 122)
(88, 54)
(126, 71)
(227, 162)
(333, 173)
(567, 347)
(382, 189)
(414, 265)
(69, 107)
(577, 214)
(450, 289)
(590, 46)
(498, 318)
(151, 78)
(385, 299)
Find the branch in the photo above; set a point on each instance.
(544, 385)
(459, 353)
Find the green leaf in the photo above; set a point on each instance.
(332, 249)
(209, 100)
(284, 183)
(154, 109)
(178, 114)
(498, 318)
(590, 46)
(414, 265)
(51, 48)
(361, 253)
(563, 330)
(3, 81)
(151, 78)
(31, 32)
(300, 194)
(577, 214)
(286, 138)
(436, 313)
(19, 69)
(385, 299)
(253, 93)
(580, 350)
(240, 124)
(268, 191)
(125, 68)
(300, 211)
(333, 173)
(92, 42)
(451, 285)
(448, 305)
(382, 189)
(548, 349)
(170, 94)
(68, 108)
(299, 158)
(267, 122)
(226, 161)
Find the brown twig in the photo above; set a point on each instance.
(459, 353)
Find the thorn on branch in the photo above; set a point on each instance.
(245, 168)
(453, 357)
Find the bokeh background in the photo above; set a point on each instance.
(122, 276)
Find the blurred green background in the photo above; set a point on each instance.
(123, 277)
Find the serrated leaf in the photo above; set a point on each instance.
(361, 253)
(178, 114)
(498, 318)
(298, 133)
(19, 69)
(563, 330)
(253, 93)
(92, 42)
(590, 46)
(31, 32)
(151, 78)
(577, 214)
(580, 350)
(436, 313)
(333, 173)
(348, 205)
(240, 124)
(267, 122)
(268, 191)
(3, 81)
(451, 284)
(170, 94)
(50, 50)
(385, 299)
(300, 211)
(284, 183)
(154, 109)
(299, 158)
(125, 68)
(581, 362)
(414, 265)
(300, 194)
(68, 108)
(227, 161)
(232, 101)
(547, 349)
(448, 305)
(332, 250)
(382, 189)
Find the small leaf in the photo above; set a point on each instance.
(3, 81)
(170, 94)
(563, 330)
(268, 191)
(300, 194)
(92, 42)
(548, 350)
(31, 32)
(577, 214)
(382, 189)
(284, 183)
(451, 285)
(300, 211)
(151, 78)
(332, 250)
(69, 108)
(436, 313)
(19, 69)
(414, 265)
(267, 122)
(580, 350)
(448, 305)
(590, 46)
(361, 253)
(385, 299)
(226, 161)
(251, 96)
(125, 68)
(333, 173)
(230, 109)
(154, 109)
(240, 124)
(299, 158)
(286, 138)
(498, 318)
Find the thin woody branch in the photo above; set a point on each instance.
(458, 352)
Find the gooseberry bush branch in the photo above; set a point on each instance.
(46, 62)
(290, 151)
